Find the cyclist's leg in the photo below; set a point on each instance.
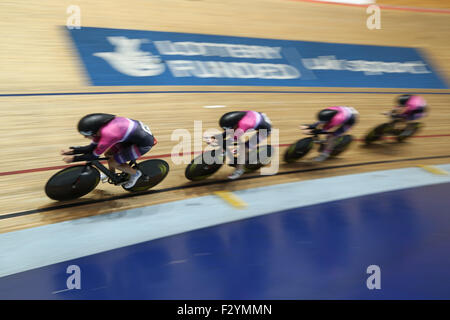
(110, 155)
(263, 131)
(328, 146)
(333, 139)
(111, 162)
(410, 127)
(397, 125)
(132, 153)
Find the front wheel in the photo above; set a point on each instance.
(204, 165)
(299, 149)
(71, 183)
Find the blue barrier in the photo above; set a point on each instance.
(115, 57)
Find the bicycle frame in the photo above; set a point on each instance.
(225, 147)
(316, 138)
(114, 177)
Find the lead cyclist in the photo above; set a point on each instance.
(121, 139)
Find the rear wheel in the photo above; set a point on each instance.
(342, 145)
(299, 149)
(259, 158)
(410, 130)
(377, 133)
(72, 183)
(154, 171)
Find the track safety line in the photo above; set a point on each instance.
(231, 199)
(433, 169)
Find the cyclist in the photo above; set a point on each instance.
(121, 139)
(340, 118)
(409, 108)
(235, 124)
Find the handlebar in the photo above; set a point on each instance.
(89, 161)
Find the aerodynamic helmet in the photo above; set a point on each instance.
(91, 123)
(403, 99)
(326, 115)
(230, 120)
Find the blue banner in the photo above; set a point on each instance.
(115, 57)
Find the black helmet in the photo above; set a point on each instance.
(326, 115)
(230, 120)
(403, 99)
(91, 123)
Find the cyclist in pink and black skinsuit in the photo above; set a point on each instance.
(121, 138)
(409, 108)
(242, 122)
(339, 117)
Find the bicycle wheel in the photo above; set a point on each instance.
(377, 133)
(262, 156)
(72, 183)
(410, 129)
(154, 171)
(203, 166)
(342, 144)
(298, 149)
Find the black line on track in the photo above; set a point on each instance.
(206, 183)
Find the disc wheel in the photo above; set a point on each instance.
(71, 183)
(298, 150)
(203, 166)
(410, 130)
(377, 133)
(259, 158)
(154, 171)
(342, 145)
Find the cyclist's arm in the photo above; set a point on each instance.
(314, 125)
(84, 149)
(313, 129)
(98, 148)
(397, 113)
(85, 157)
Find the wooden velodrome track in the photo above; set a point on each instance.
(37, 57)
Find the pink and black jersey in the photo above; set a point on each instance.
(344, 115)
(250, 121)
(343, 120)
(116, 131)
(415, 108)
(128, 139)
